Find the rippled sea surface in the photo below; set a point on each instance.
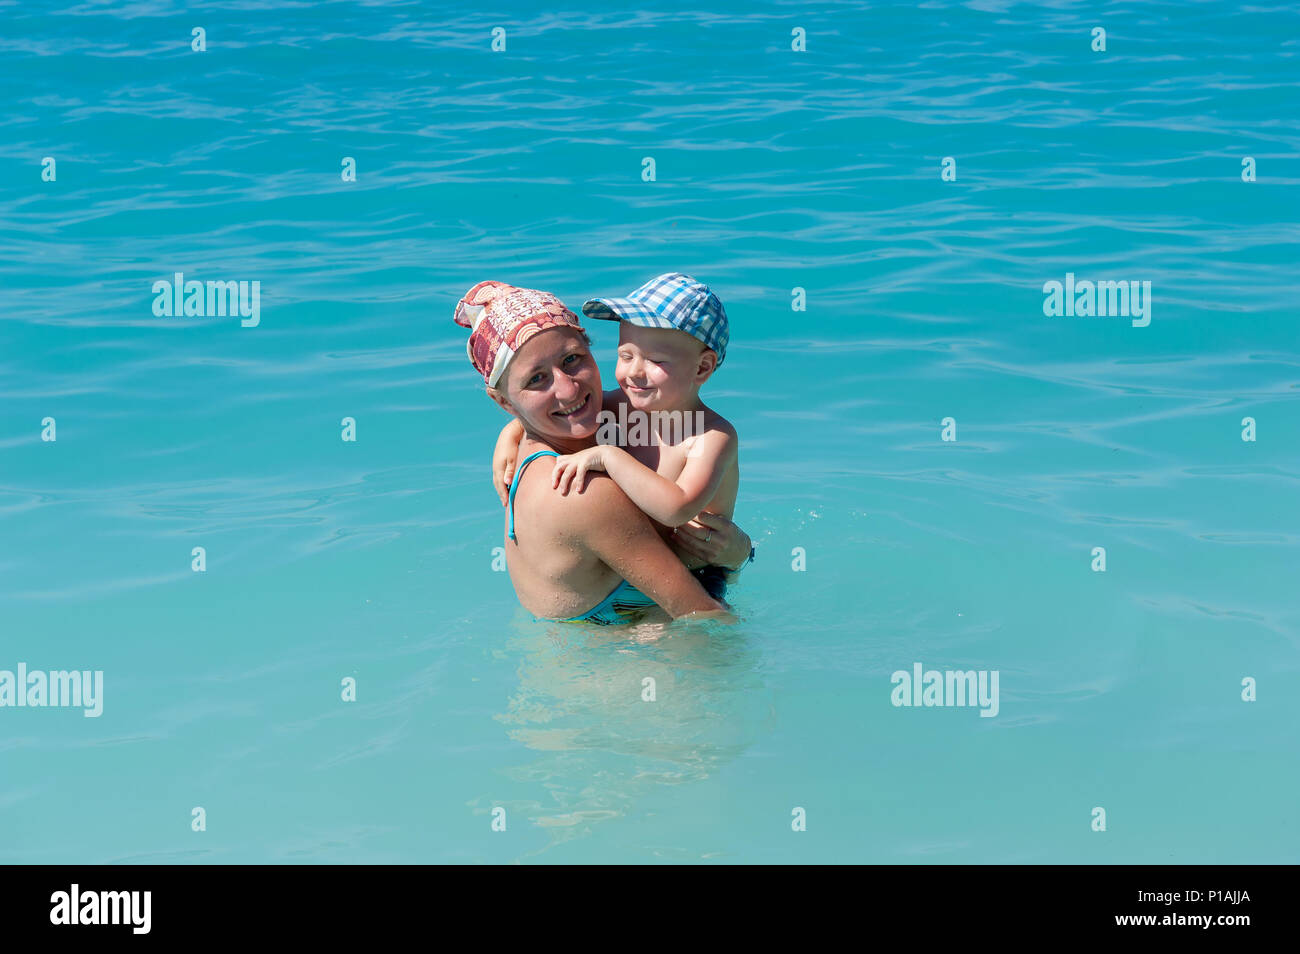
(775, 169)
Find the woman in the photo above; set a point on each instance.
(588, 557)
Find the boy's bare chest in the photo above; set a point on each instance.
(666, 460)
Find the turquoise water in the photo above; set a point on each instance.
(775, 169)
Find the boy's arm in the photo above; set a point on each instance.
(671, 503)
(611, 527)
(504, 457)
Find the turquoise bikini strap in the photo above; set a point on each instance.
(514, 484)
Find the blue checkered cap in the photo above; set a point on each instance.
(673, 300)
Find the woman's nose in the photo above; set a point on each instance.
(566, 386)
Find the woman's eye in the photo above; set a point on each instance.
(535, 379)
(572, 357)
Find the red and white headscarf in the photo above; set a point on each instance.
(502, 319)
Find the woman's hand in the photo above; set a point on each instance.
(573, 467)
(714, 539)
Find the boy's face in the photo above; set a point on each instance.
(661, 368)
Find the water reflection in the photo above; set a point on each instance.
(582, 703)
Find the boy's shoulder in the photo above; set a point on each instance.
(713, 421)
(713, 439)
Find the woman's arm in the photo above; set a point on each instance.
(611, 527)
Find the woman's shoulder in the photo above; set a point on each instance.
(576, 515)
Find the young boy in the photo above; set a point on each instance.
(674, 456)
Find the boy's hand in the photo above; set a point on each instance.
(503, 470)
(573, 467)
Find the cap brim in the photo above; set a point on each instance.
(621, 309)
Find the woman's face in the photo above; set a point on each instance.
(553, 386)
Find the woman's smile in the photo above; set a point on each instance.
(572, 409)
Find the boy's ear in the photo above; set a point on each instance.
(706, 365)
